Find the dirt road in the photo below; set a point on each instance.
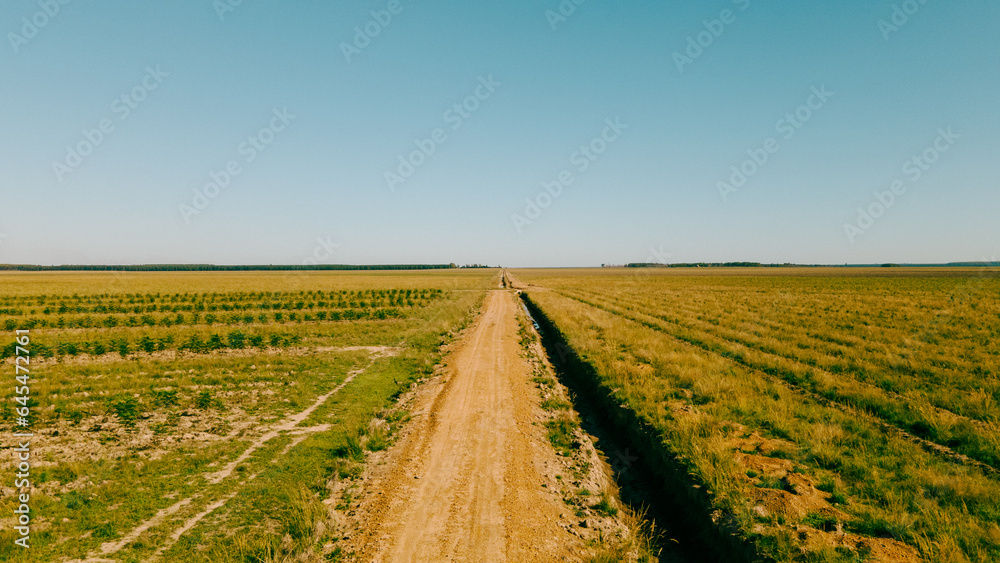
(465, 482)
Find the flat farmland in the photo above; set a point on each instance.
(187, 416)
(820, 414)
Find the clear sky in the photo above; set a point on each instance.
(668, 99)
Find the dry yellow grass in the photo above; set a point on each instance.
(806, 372)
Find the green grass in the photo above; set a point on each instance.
(605, 506)
(561, 433)
(555, 404)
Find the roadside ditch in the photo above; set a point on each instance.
(651, 479)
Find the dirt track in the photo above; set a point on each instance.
(464, 483)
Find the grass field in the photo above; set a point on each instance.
(208, 416)
(832, 414)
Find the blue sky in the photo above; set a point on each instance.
(204, 86)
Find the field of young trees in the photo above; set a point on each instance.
(816, 414)
(207, 416)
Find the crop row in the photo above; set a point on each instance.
(236, 339)
(970, 389)
(891, 357)
(949, 335)
(215, 297)
(911, 412)
(932, 336)
(203, 306)
(111, 321)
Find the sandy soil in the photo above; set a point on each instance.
(465, 482)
